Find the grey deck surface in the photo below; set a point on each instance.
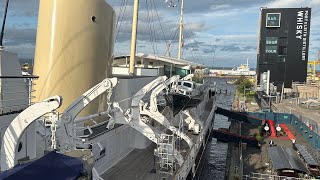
(136, 165)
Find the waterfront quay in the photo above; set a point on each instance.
(309, 115)
(244, 162)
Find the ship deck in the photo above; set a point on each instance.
(140, 163)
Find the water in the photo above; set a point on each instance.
(216, 152)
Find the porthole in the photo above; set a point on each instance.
(310, 136)
(93, 19)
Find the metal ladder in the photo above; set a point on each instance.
(166, 148)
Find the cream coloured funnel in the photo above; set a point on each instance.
(74, 49)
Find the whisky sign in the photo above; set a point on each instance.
(302, 30)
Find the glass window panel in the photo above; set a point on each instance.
(271, 49)
(273, 19)
(271, 40)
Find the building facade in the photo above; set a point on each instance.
(283, 44)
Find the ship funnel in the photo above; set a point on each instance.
(74, 49)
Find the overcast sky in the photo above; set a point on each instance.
(216, 32)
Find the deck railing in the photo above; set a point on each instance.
(15, 93)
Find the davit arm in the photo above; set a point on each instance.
(18, 126)
(67, 132)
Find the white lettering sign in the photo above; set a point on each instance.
(302, 30)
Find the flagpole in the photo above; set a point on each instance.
(181, 27)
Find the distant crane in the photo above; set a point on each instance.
(312, 65)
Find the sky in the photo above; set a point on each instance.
(220, 33)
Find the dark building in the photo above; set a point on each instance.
(283, 44)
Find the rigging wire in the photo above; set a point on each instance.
(122, 14)
(151, 28)
(197, 53)
(160, 24)
(121, 8)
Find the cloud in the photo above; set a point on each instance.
(21, 7)
(195, 44)
(197, 27)
(236, 48)
(220, 7)
(231, 48)
(23, 50)
(18, 36)
(209, 51)
(293, 3)
(224, 29)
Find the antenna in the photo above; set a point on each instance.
(4, 22)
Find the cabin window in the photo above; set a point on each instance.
(179, 83)
(151, 63)
(139, 62)
(187, 85)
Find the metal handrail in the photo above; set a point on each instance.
(18, 84)
(7, 107)
(31, 97)
(17, 92)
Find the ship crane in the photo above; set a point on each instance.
(18, 126)
(66, 134)
(138, 117)
(68, 121)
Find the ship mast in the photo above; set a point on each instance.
(247, 62)
(181, 27)
(134, 36)
(4, 22)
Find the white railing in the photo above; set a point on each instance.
(15, 94)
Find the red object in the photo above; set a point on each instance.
(311, 127)
(272, 128)
(286, 129)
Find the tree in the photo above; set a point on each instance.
(259, 138)
(243, 83)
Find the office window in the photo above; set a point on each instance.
(283, 41)
(271, 40)
(273, 19)
(271, 49)
(281, 59)
(283, 50)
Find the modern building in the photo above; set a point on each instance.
(283, 45)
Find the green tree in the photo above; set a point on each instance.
(243, 83)
(259, 138)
